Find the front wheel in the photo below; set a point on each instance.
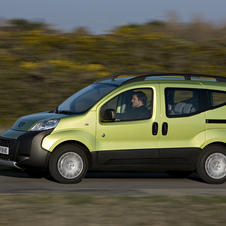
(68, 164)
(211, 165)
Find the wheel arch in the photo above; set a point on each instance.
(86, 150)
(214, 143)
(209, 145)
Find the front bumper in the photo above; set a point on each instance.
(9, 164)
(25, 152)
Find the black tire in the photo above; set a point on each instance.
(211, 164)
(179, 174)
(68, 164)
(37, 173)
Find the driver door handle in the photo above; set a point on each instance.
(164, 128)
(155, 128)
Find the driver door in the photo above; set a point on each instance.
(128, 141)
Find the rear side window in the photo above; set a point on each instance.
(217, 98)
(182, 95)
(182, 102)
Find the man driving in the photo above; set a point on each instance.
(139, 111)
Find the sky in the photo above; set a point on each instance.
(100, 16)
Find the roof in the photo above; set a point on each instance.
(141, 76)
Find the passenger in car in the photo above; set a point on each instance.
(182, 108)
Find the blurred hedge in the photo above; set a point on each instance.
(40, 67)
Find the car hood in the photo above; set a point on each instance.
(25, 123)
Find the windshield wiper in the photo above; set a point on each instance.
(56, 110)
(65, 112)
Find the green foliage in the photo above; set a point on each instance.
(26, 25)
(156, 23)
(41, 67)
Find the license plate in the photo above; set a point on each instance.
(4, 150)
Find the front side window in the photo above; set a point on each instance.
(182, 102)
(133, 104)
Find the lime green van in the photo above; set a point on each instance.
(129, 121)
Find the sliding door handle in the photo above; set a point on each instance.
(155, 128)
(164, 128)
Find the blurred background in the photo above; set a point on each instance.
(49, 49)
(40, 65)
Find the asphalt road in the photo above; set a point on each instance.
(139, 184)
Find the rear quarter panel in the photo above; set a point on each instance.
(216, 132)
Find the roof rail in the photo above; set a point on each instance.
(112, 77)
(144, 75)
(186, 77)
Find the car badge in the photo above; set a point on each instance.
(21, 124)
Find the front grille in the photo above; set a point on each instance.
(5, 157)
(6, 143)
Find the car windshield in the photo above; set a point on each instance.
(84, 99)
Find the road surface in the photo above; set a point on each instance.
(139, 184)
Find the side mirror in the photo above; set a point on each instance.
(109, 115)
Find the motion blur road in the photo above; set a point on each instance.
(139, 184)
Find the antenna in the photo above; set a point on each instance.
(124, 68)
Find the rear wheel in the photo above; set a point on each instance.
(211, 165)
(68, 164)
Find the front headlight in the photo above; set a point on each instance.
(45, 125)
